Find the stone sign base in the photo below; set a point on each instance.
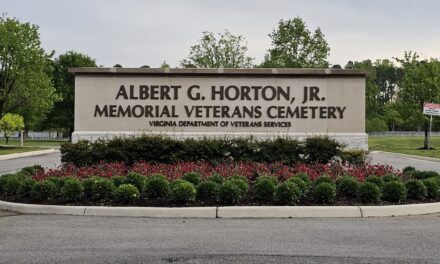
(349, 140)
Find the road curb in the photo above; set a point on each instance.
(27, 154)
(228, 211)
(400, 155)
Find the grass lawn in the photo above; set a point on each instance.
(33, 143)
(405, 145)
(12, 150)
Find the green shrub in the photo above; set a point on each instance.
(347, 186)
(322, 179)
(432, 187)
(118, 180)
(3, 180)
(230, 192)
(302, 186)
(304, 177)
(136, 180)
(264, 188)
(164, 149)
(11, 185)
(321, 149)
(216, 178)
(31, 170)
(369, 193)
(73, 190)
(25, 188)
(59, 182)
(88, 184)
(354, 156)
(408, 170)
(375, 124)
(288, 193)
(241, 182)
(394, 191)
(127, 194)
(208, 191)
(192, 177)
(391, 177)
(43, 190)
(378, 181)
(324, 193)
(415, 189)
(103, 189)
(182, 192)
(156, 186)
(420, 175)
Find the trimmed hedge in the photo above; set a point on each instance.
(163, 149)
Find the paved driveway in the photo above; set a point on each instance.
(75, 239)
(401, 162)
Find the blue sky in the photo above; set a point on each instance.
(135, 33)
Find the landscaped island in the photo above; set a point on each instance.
(312, 172)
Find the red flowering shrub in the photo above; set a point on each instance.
(250, 170)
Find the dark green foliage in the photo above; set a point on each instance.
(88, 186)
(324, 193)
(192, 177)
(264, 188)
(323, 178)
(420, 175)
(408, 170)
(241, 182)
(103, 189)
(378, 181)
(304, 177)
(287, 193)
(355, 157)
(182, 192)
(321, 149)
(208, 191)
(230, 192)
(43, 190)
(26, 187)
(136, 180)
(391, 177)
(415, 189)
(127, 194)
(119, 180)
(347, 187)
(216, 178)
(394, 191)
(3, 180)
(432, 187)
(369, 193)
(156, 186)
(11, 184)
(302, 186)
(162, 149)
(73, 190)
(31, 170)
(59, 183)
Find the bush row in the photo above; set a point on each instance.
(191, 188)
(162, 149)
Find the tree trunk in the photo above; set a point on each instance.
(425, 144)
(7, 140)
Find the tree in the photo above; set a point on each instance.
(224, 51)
(294, 46)
(25, 83)
(387, 78)
(11, 123)
(61, 117)
(164, 65)
(392, 115)
(420, 84)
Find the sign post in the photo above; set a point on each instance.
(431, 109)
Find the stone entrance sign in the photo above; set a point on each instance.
(221, 102)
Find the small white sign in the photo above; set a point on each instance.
(431, 109)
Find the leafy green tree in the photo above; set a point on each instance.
(165, 65)
(392, 115)
(294, 46)
(61, 116)
(25, 81)
(420, 84)
(388, 76)
(11, 123)
(223, 50)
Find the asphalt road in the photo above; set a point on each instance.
(402, 162)
(51, 160)
(75, 239)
